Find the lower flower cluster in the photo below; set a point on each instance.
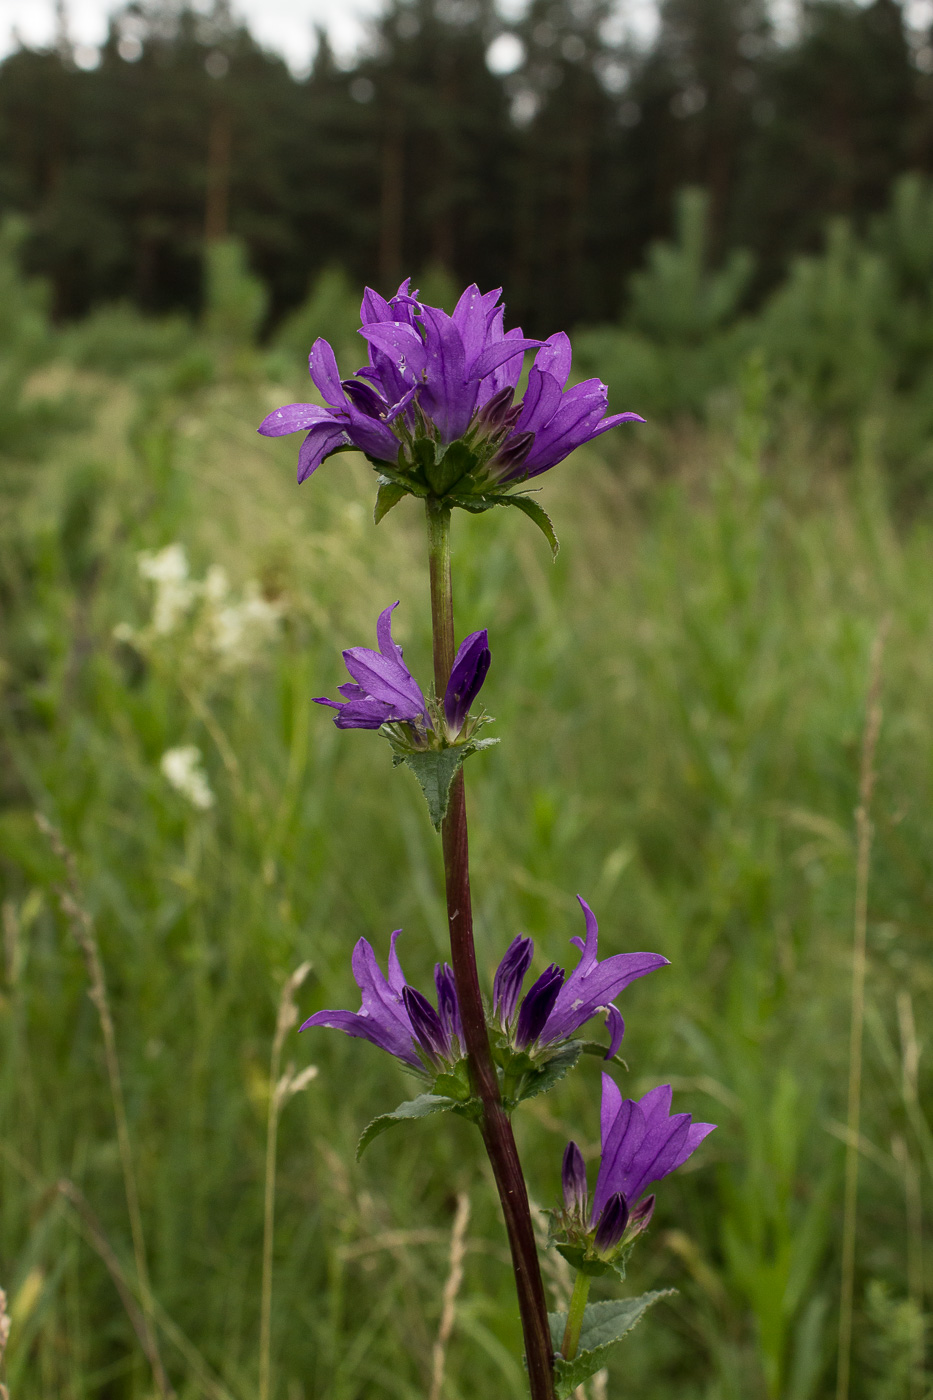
(641, 1142)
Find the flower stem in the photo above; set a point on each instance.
(495, 1125)
(581, 1291)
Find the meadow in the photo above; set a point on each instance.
(682, 700)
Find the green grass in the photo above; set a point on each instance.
(680, 702)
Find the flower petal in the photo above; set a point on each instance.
(320, 442)
(293, 418)
(323, 364)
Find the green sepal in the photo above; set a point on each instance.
(388, 495)
(436, 769)
(421, 1107)
(455, 1083)
(408, 483)
(578, 1258)
(449, 466)
(593, 1047)
(604, 1324)
(526, 1078)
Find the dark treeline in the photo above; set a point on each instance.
(550, 179)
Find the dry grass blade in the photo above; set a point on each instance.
(4, 1338)
(451, 1289)
(282, 1087)
(82, 927)
(872, 729)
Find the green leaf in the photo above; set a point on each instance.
(485, 501)
(388, 495)
(604, 1324)
(436, 769)
(540, 517)
(421, 1107)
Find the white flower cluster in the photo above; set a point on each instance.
(230, 629)
(182, 768)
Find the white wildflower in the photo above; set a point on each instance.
(182, 768)
(174, 592)
(239, 629)
(216, 583)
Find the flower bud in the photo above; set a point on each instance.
(537, 1006)
(573, 1180)
(612, 1223)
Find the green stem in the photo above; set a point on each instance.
(495, 1125)
(581, 1291)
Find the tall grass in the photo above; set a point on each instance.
(681, 700)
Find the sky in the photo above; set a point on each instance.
(284, 25)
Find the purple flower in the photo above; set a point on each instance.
(554, 420)
(456, 363)
(435, 379)
(570, 1003)
(357, 416)
(384, 689)
(641, 1143)
(396, 1017)
(466, 679)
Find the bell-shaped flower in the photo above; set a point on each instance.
(398, 1018)
(554, 420)
(557, 1006)
(642, 1142)
(383, 689)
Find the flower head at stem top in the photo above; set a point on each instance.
(384, 692)
(556, 1006)
(398, 1018)
(434, 409)
(642, 1142)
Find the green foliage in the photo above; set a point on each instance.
(436, 769)
(424, 1106)
(332, 310)
(234, 299)
(677, 299)
(604, 1324)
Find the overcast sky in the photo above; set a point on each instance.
(285, 25)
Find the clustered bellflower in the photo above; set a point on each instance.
(398, 1018)
(556, 1006)
(383, 690)
(434, 409)
(641, 1143)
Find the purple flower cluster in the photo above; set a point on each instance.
(447, 378)
(556, 1006)
(398, 1018)
(383, 690)
(641, 1143)
(393, 1015)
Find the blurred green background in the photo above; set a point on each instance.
(681, 701)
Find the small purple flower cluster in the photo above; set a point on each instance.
(448, 378)
(384, 691)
